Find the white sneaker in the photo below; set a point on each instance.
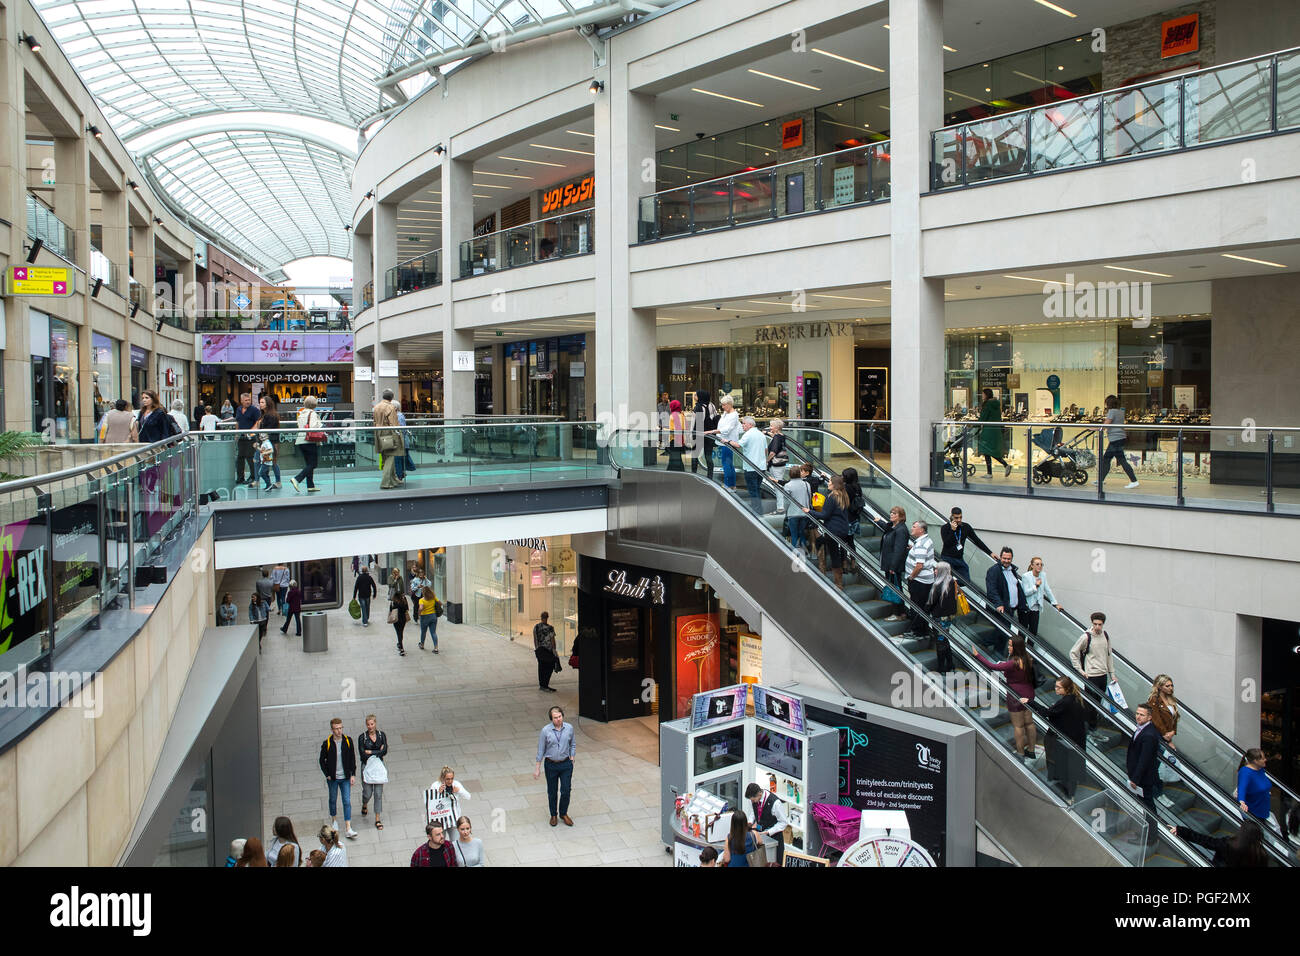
(1131, 484)
(296, 486)
(1164, 801)
(333, 824)
(351, 834)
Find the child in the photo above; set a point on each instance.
(266, 453)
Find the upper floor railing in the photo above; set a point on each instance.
(559, 237)
(847, 177)
(416, 273)
(42, 224)
(337, 319)
(1249, 98)
(105, 269)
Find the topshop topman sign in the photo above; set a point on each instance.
(802, 330)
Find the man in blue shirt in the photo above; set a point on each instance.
(246, 417)
(555, 749)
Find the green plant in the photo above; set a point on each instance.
(17, 445)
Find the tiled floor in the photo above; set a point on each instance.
(475, 707)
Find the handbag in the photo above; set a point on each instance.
(573, 661)
(354, 608)
(556, 665)
(389, 442)
(392, 615)
(890, 595)
(374, 772)
(818, 501)
(963, 605)
(757, 856)
(1114, 692)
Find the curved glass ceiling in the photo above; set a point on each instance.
(155, 63)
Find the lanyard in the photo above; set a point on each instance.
(559, 734)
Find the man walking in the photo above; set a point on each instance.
(555, 749)
(293, 612)
(265, 587)
(388, 439)
(544, 649)
(753, 460)
(920, 574)
(436, 852)
(246, 418)
(338, 762)
(363, 590)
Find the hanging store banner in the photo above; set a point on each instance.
(275, 347)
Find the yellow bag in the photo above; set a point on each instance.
(818, 501)
(963, 605)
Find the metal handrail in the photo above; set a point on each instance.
(764, 170)
(589, 211)
(1137, 426)
(19, 484)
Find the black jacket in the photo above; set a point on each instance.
(365, 587)
(156, 426)
(995, 587)
(329, 754)
(1224, 855)
(1068, 717)
(1141, 761)
(950, 549)
(943, 604)
(379, 748)
(835, 518)
(894, 545)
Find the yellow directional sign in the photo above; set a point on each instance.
(39, 281)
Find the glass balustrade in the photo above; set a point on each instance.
(44, 225)
(420, 272)
(560, 237)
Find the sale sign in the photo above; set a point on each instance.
(698, 658)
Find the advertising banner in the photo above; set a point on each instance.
(698, 656)
(234, 348)
(23, 607)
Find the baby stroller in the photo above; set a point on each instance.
(1065, 461)
(952, 456)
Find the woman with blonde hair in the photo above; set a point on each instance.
(308, 423)
(835, 516)
(469, 848)
(332, 847)
(1164, 714)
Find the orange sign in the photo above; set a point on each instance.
(699, 658)
(792, 134)
(561, 197)
(1180, 35)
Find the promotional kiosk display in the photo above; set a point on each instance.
(708, 759)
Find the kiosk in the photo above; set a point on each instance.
(708, 759)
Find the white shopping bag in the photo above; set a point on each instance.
(440, 809)
(1116, 694)
(374, 771)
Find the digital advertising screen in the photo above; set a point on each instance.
(718, 706)
(780, 709)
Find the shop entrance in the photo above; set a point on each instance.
(547, 377)
(1279, 731)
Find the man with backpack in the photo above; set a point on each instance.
(1092, 659)
(544, 649)
(338, 762)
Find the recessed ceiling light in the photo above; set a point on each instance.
(578, 132)
(1040, 281)
(1052, 6)
(782, 79)
(534, 162)
(488, 186)
(949, 49)
(1144, 272)
(709, 308)
(477, 196)
(1260, 262)
(671, 129)
(767, 302)
(846, 59)
(562, 149)
(724, 96)
(846, 298)
(484, 172)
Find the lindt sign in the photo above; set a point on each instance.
(645, 589)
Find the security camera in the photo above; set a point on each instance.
(699, 136)
(718, 307)
(978, 287)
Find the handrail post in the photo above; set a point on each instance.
(129, 485)
(1179, 484)
(871, 442)
(194, 473)
(101, 510)
(1101, 495)
(44, 501)
(731, 202)
(1182, 113)
(690, 209)
(965, 450)
(1268, 472)
(1029, 143)
(1272, 104)
(818, 202)
(1029, 460)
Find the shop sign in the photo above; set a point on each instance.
(275, 347)
(751, 659)
(569, 194)
(533, 544)
(462, 361)
(1180, 35)
(43, 281)
(291, 378)
(645, 590)
(803, 330)
(792, 134)
(699, 658)
(387, 368)
(361, 373)
(139, 357)
(577, 370)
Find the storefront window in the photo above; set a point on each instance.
(707, 644)
(105, 358)
(509, 584)
(54, 385)
(171, 380)
(420, 390)
(756, 376)
(547, 377)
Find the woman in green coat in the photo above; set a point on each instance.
(990, 442)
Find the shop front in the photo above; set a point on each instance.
(332, 388)
(508, 584)
(547, 377)
(650, 640)
(419, 389)
(105, 367)
(173, 381)
(55, 366)
(290, 365)
(139, 373)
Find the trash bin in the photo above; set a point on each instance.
(315, 632)
(455, 613)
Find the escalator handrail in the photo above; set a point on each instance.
(978, 591)
(1105, 773)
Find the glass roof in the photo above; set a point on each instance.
(156, 63)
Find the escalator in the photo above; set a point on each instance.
(843, 632)
(1200, 789)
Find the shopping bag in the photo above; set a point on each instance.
(354, 608)
(374, 771)
(440, 809)
(890, 595)
(1114, 692)
(757, 857)
(963, 605)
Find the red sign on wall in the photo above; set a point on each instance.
(792, 134)
(699, 658)
(1180, 35)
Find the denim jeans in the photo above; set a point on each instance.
(728, 469)
(797, 525)
(429, 623)
(559, 776)
(346, 786)
(365, 609)
(1115, 451)
(296, 617)
(754, 484)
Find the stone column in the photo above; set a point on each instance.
(917, 311)
(457, 226)
(17, 412)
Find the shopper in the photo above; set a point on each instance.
(280, 578)
(920, 575)
(1094, 662)
(1034, 583)
(338, 762)
(363, 590)
(1164, 714)
(1068, 718)
(1254, 789)
(316, 859)
(436, 851)
(740, 842)
(259, 613)
(1002, 586)
(402, 463)
(263, 459)
(1245, 848)
(246, 417)
(283, 837)
(856, 508)
(836, 521)
(661, 416)
(119, 424)
(708, 857)
(705, 423)
(228, 612)
(991, 438)
(556, 748)
(728, 432)
(269, 426)
(894, 546)
(284, 860)
(1116, 439)
(778, 456)
(418, 583)
(956, 534)
(208, 423)
(429, 617)
(331, 847)
(1018, 670)
(1141, 759)
(797, 508)
(307, 423)
(544, 651)
(469, 848)
(293, 602)
(178, 415)
(388, 439)
(676, 435)
(252, 855)
(942, 605)
(154, 424)
(398, 613)
(236, 851)
(767, 815)
(753, 451)
(374, 772)
(448, 788)
(227, 411)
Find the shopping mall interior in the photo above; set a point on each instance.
(476, 348)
